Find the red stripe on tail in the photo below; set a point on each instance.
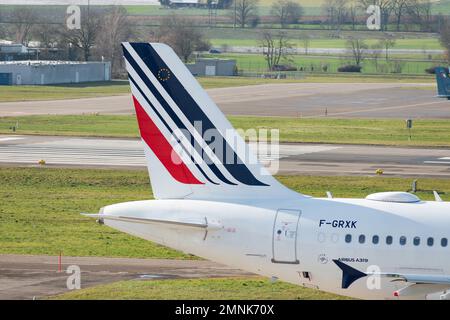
(162, 148)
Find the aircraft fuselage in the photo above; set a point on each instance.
(297, 240)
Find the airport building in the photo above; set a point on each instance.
(213, 67)
(52, 72)
(10, 51)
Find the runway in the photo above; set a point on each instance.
(340, 100)
(306, 159)
(28, 277)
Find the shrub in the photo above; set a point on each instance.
(350, 68)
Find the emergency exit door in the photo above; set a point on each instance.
(284, 241)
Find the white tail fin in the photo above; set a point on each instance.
(191, 148)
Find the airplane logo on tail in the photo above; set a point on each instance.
(165, 109)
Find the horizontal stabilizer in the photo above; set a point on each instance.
(349, 274)
(187, 222)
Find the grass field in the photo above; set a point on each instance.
(39, 212)
(40, 207)
(250, 37)
(316, 130)
(257, 63)
(418, 44)
(311, 7)
(200, 289)
(67, 91)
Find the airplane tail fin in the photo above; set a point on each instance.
(443, 82)
(191, 149)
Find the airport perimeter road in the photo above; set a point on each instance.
(317, 159)
(25, 277)
(341, 100)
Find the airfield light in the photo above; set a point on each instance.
(409, 124)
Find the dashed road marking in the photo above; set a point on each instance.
(11, 138)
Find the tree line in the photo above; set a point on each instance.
(398, 15)
(100, 36)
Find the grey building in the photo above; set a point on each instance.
(52, 72)
(213, 67)
(14, 51)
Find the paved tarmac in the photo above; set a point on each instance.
(340, 100)
(28, 277)
(316, 159)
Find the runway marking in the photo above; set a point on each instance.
(443, 160)
(11, 138)
(438, 162)
(376, 109)
(74, 153)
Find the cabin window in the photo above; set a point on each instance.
(389, 240)
(416, 241)
(402, 240)
(348, 238)
(430, 241)
(444, 242)
(375, 239)
(362, 238)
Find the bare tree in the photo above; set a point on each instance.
(23, 19)
(387, 43)
(375, 54)
(420, 12)
(399, 9)
(244, 11)
(444, 37)
(85, 37)
(306, 41)
(3, 27)
(47, 35)
(336, 12)
(275, 48)
(183, 36)
(358, 49)
(353, 11)
(287, 11)
(115, 29)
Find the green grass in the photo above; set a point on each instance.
(76, 125)
(257, 63)
(353, 131)
(40, 207)
(311, 8)
(199, 289)
(228, 82)
(40, 212)
(66, 91)
(419, 43)
(425, 132)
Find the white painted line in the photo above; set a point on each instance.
(438, 162)
(444, 158)
(11, 138)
